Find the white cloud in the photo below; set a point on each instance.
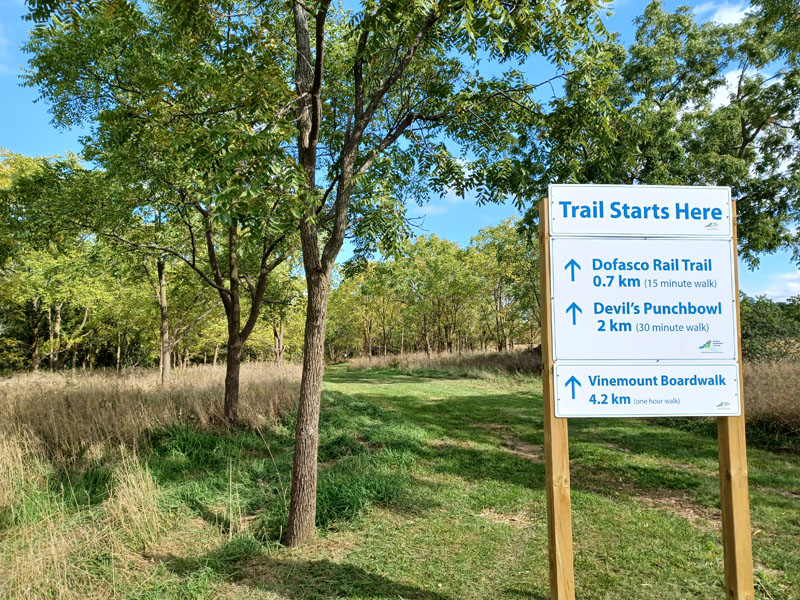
(783, 286)
(5, 51)
(722, 94)
(726, 13)
(429, 210)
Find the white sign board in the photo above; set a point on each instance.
(656, 299)
(640, 210)
(647, 390)
(643, 301)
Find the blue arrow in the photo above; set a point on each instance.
(575, 310)
(572, 265)
(572, 381)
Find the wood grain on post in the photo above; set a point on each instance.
(734, 496)
(556, 446)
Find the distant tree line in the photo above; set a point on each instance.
(76, 298)
(87, 304)
(436, 297)
(770, 329)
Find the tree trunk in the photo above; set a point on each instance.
(232, 367)
(216, 354)
(166, 347)
(367, 324)
(234, 316)
(72, 342)
(35, 358)
(36, 319)
(57, 333)
(51, 363)
(402, 338)
(303, 507)
(119, 351)
(277, 333)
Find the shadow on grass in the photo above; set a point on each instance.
(639, 455)
(306, 579)
(373, 376)
(86, 485)
(515, 593)
(761, 433)
(242, 562)
(480, 464)
(370, 456)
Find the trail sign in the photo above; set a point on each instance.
(638, 210)
(592, 390)
(651, 299)
(641, 318)
(641, 276)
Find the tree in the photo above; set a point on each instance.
(344, 335)
(770, 330)
(47, 267)
(187, 115)
(504, 262)
(194, 96)
(285, 301)
(689, 104)
(398, 69)
(50, 198)
(781, 17)
(12, 167)
(436, 296)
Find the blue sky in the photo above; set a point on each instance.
(25, 128)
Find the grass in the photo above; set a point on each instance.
(474, 365)
(772, 408)
(771, 396)
(430, 488)
(771, 399)
(83, 415)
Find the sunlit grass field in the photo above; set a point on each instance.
(431, 487)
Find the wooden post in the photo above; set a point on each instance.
(556, 446)
(734, 497)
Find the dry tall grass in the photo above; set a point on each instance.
(523, 361)
(772, 394)
(52, 548)
(75, 415)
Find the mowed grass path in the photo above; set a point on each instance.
(471, 522)
(431, 488)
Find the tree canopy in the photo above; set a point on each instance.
(689, 104)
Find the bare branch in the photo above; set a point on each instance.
(261, 285)
(171, 252)
(396, 73)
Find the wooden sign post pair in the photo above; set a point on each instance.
(641, 319)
